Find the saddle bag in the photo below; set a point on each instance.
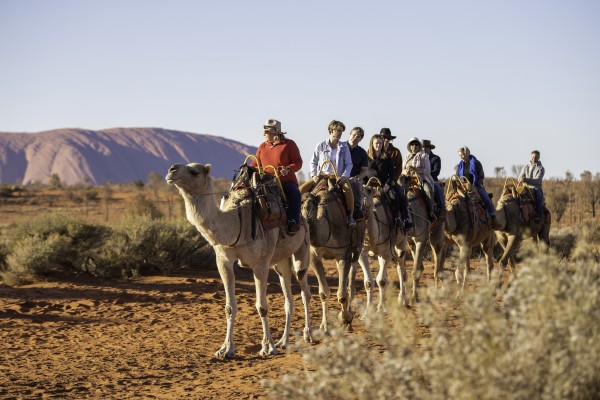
(269, 206)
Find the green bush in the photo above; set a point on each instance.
(541, 342)
(142, 207)
(54, 244)
(145, 246)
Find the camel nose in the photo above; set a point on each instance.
(173, 168)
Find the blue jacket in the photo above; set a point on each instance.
(474, 173)
(322, 153)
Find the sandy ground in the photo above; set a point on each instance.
(153, 337)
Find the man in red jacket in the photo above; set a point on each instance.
(283, 154)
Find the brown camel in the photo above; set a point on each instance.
(331, 238)
(468, 224)
(514, 214)
(230, 231)
(424, 230)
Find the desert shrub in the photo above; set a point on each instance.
(563, 241)
(540, 342)
(50, 244)
(144, 246)
(142, 207)
(588, 242)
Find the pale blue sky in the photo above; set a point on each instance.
(502, 77)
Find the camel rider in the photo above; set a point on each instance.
(339, 154)
(284, 155)
(382, 167)
(360, 166)
(470, 167)
(532, 175)
(417, 161)
(396, 156)
(436, 167)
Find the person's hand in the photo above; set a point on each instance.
(342, 179)
(284, 171)
(315, 179)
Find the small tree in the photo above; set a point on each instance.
(557, 200)
(591, 190)
(500, 173)
(156, 182)
(55, 181)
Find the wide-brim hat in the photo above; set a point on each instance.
(386, 134)
(427, 143)
(413, 140)
(273, 126)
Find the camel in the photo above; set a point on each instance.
(383, 239)
(424, 230)
(331, 238)
(229, 230)
(467, 225)
(514, 222)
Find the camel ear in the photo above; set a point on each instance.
(207, 168)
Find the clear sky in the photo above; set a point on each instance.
(502, 77)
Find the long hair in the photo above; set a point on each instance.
(371, 151)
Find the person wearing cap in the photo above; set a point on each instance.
(532, 175)
(283, 154)
(360, 166)
(381, 166)
(417, 161)
(392, 152)
(436, 167)
(470, 167)
(339, 154)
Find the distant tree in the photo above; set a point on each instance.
(301, 177)
(138, 184)
(156, 182)
(55, 181)
(591, 190)
(516, 169)
(141, 206)
(500, 173)
(557, 200)
(107, 192)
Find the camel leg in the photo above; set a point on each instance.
(509, 245)
(343, 266)
(436, 251)
(465, 262)
(324, 291)
(225, 268)
(417, 269)
(285, 277)
(382, 279)
(261, 274)
(488, 249)
(363, 261)
(301, 262)
(401, 268)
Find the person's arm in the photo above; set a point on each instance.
(436, 166)
(295, 158)
(473, 169)
(347, 161)
(536, 178)
(314, 163)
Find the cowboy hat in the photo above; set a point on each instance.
(427, 143)
(386, 134)
(273, 126)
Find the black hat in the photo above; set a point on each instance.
(387, 134)
(427, 143)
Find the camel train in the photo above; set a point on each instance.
(249, 229)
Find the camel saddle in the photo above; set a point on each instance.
(267, 198)
(473, 204)
(526, 203)
(327, 190)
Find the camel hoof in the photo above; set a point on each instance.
(283, 344)
(223, 353)
(346, 317)
(268, 351)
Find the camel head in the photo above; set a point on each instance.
(310, 204)
(192, 178)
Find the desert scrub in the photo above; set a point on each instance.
(55, 244)
(541, 340)
(144, 246)
(49, 244)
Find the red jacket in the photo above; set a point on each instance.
(280, 154)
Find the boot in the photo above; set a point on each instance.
(293, 227)
(351, 221)
(359, 215)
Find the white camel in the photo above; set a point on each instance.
(229, 231)
(385, 241)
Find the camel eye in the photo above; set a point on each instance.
(194, 172)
